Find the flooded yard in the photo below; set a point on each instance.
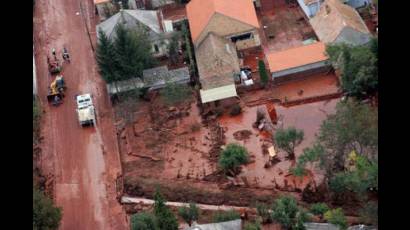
(306, 117)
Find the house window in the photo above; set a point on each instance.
(156, 48)
(241, 37)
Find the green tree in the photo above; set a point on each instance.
(354, 127)
(107, 64)
(225, 216)
(174, 93)
(189, 214)
(286, 212)
(132, 52)
(173, 48)
(188, 48)
(288, 139)
(319, 208)
(45, 215)
(336, 217)
(144, 221)
(166, 219)
(359, 67)
(263, 73)
(309, 155)
(232, 157)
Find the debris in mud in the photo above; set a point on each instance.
(311, 194)
(217, 138)
(242, 135)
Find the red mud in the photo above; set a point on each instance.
(307, 117)
(312, 86)
(84, 161)
(181, 148)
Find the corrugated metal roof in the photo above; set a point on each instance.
(218, 93)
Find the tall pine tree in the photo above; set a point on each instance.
(106, 59)
(166, 219)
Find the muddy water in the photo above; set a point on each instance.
(307, 117)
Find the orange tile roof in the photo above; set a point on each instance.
(199, 13)
(295, 57)
(100, 1)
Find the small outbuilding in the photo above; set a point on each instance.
(298, 62)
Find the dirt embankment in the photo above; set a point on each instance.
(181, 191)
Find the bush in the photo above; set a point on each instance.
(263, 73)
(189, 214)
(144, 221)
(232, 157)
(45, 214)
(286, 212)
(336, 217)
(263, 211)
(319, 208)
(235, 110)
(252, 226)
(226, 216)
(166, 219)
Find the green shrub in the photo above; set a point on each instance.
(319, 208)
(225, 216)
(232, 157)
(286, 212)
(288, 139)
(45, 214)
(263, 73)
(336, 217)
(144, 221)
(263, 211)
(166, 218)
(189, 214)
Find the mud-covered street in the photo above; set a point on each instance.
(84, 162)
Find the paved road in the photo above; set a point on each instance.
(84, 161)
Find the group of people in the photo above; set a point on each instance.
(65, 54)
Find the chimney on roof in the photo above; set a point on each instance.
(327, 8)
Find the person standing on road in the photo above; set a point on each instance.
(53, 51)
(66, 56)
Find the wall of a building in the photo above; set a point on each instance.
(300, 72)
(249, 43)
(305, 8)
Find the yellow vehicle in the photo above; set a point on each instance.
(56, 91)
